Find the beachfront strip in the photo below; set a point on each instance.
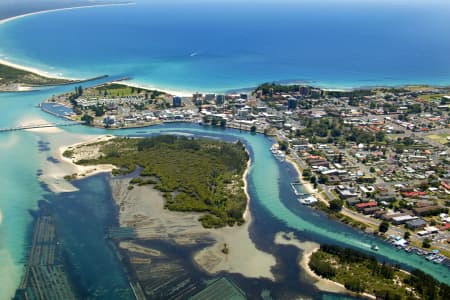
(377, 158)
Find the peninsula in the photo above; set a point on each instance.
(17, 79)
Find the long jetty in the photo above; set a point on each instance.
(45, 125)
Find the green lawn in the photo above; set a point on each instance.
(441, 138)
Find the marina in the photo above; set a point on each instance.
(297, 187)
(277, 153)
(432, 255)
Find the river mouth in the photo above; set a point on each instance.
(86, 219)
(310, 224)
(85, 216)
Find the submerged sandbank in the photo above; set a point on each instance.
(142, 208)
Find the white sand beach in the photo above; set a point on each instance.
(308, 248)
(90, 151)
(53, 174)
(33, 70)
(151, 87)
(3, 21)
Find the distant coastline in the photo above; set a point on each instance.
(391, 82)
(6, 62)
(5, 20)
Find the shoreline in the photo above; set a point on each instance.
(173, 90)
(169, 91)
(308, 249)
(306, 184)
(86, 171)
(251, 263)
(322, 282)
(38, 71)
(143, 208)
(54, 175)
(9, 19)
(246, 214)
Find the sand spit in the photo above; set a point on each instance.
(91, 150)
(308, 248)
(34, 121)
(54, 173)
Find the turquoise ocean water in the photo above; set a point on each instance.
(219, 45)
(207, 54)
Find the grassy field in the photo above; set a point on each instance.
(9, 75)
(433, 97)
(116, 90)
(441, 138)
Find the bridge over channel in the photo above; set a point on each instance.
(44, 125)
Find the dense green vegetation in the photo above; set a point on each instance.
(362, 273)
(9, 75)
(266, 88)
(333, 130)
(193, 174)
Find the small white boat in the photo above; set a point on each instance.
(307, 200)
(374, 247)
